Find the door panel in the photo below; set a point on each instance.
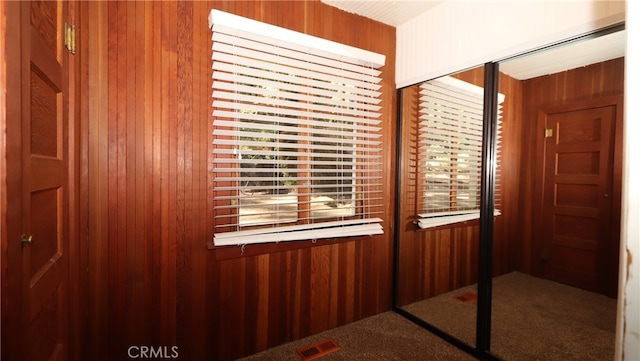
(577, 196)
(44, 123)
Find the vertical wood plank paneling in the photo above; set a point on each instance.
(276, 327)
(509, 173)
(303, 326)
(201, 147)
(340, 258)
(187, 291)
(361, 274)
(151, 278)
(263, 302)
(123, 185)
(77, 257)
(169, 117)
(152, 166)
(349, 281)
(134, 253)
(289, 298)
(93, 116)
(4, 320)
(114, 179)
(142, 183)
(252, 306)
(167, 103)
(182, 123)
(332, 301)
(319, 303)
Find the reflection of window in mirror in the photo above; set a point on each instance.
(450, 151)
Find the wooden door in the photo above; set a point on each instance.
(38, 266)
(578, 193)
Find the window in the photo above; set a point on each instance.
(297, 149)
(450, 152)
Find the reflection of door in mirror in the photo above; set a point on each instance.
(439, 205)
(561, 156)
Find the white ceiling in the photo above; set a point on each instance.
(571, 56)
(389, 12)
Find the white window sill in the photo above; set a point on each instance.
(443, 219)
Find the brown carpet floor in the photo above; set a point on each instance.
(532, 319)
(384, 337)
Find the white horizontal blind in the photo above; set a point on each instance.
(297, 129)
(450, 152)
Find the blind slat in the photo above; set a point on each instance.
(307, 57)
(299, 179)
(248, 152)
(249, 101)
(242, 187)
(269, 145)
(287, 82)
(279, 63)
(284, 65)
(221, 115)
(295, 127)
(290, 112)
(300, 93)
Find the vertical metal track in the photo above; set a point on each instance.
(396, 221)
(487, 205)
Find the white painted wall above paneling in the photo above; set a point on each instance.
(457, 35)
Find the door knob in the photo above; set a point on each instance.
(26, 240)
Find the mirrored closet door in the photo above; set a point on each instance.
(440, 200)
(561, 183)
(554, 238)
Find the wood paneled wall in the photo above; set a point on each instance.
(441, 260)
(145, 111)
(585, 83)
(4, 284)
